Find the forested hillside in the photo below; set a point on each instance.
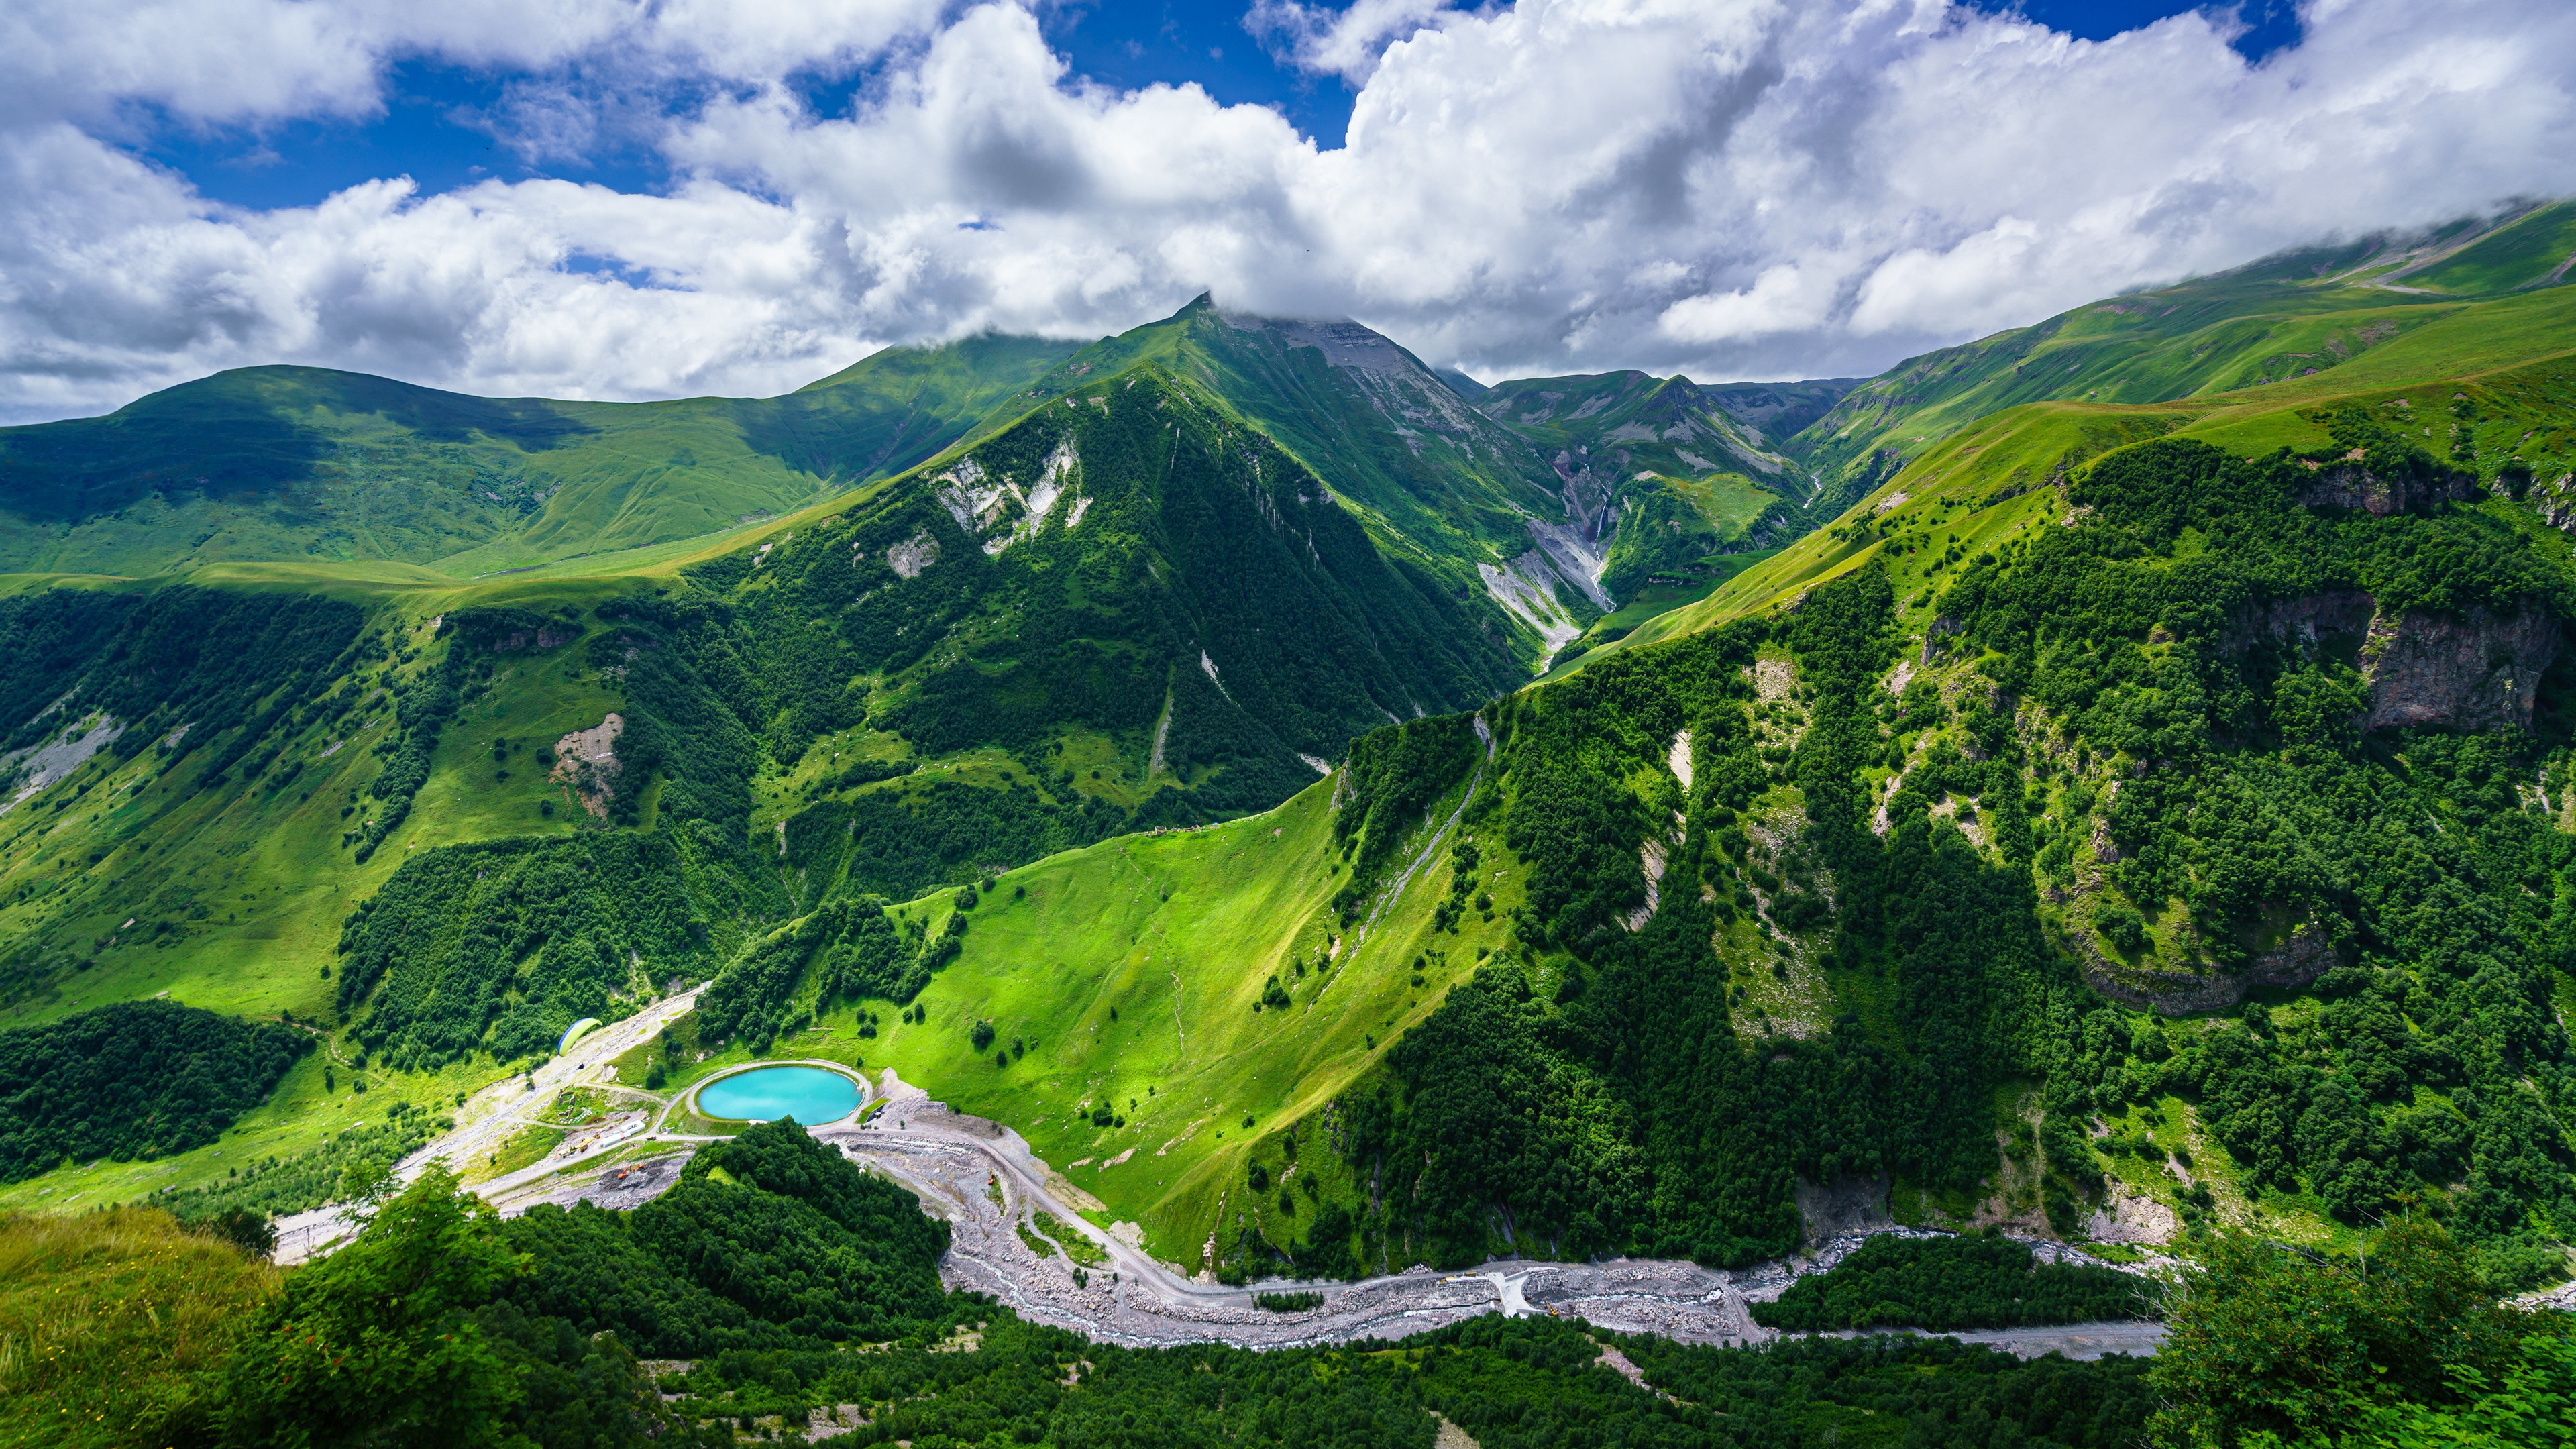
(1812, 899)
(141, 1079)
(2166, 840)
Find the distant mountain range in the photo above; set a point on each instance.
(308, 465)
(1570, 493)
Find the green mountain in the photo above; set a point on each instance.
(2303, 313)
(309, 465)
(304, 465)
(1394, 436)
(2126, 820)
(1126, 609)
(1465, 494)
(2168, 841)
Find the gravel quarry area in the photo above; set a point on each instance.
(494, 1115)
(981, 1178)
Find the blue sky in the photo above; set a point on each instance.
(662, 198)
(443, 124)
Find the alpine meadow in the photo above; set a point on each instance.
(2029, 899)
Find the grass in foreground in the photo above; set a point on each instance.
(113, 1324)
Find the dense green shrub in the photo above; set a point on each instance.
(499, 945)
(274, 1187)
(1953, 1282)
(139, 1079)
(799, 1249)
(2271, 1341)
(1395, 775)
(850, 944)
(898, 842)
(397, 1338)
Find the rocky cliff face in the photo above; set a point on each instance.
(2475, 671)
(2351, 485)
(2478, 671)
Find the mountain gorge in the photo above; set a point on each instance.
(1643, 506)
(2113, 782)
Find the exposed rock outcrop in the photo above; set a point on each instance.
(2474, 671)
(586, 760)
(2303, 957)
(1000, 510)
(32, 769)
(2478, 671)
(2166, 992)
(1526, 589)
(2350, 485)
(2309, 619)
(911, 556)
(1844, 1207)
(2126, 1217)
(545, 636)
(2556, 500)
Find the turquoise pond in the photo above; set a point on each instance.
(765, 1094)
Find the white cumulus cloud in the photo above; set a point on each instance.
(1732, 188)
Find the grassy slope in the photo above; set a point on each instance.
(1989, 479)
(1183, 972)
(2304, 313)
(255, 885)
(307, 463)
(2532, 250)
(1095, 931)
(115, 1321)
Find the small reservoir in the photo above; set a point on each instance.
(765, 1094)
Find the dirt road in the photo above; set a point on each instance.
(491, 1117)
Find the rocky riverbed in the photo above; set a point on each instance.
(981, 1178)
